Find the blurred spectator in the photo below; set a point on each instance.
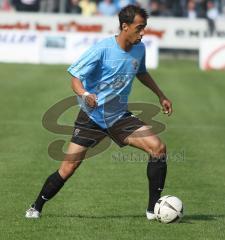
(26, 5)
(223, 7)
(201, 8)
(73, 6)
(49, 5)
(212, 14)
(88, 7)
(5, 5)
(191, 10)
(122, 3)
(144, 3)
(164, 10)
(106, 7)
(177, 8)
(154, 8)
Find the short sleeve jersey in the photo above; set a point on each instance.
(108, 71)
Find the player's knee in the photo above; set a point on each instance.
(68, 168)
(160, 150)
(157, 150)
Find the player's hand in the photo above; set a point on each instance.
(91, 100)
(166, 106)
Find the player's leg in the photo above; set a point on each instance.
(144, 139)
(86, 134)
(73, 158)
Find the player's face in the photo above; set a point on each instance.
(135, 30)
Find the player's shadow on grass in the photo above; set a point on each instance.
(201, 217)
(96, 216)
(188, 219)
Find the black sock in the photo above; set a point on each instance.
(51, 186)
(156, 172)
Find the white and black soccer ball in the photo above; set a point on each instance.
(169, 209)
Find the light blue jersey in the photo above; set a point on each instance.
(108, 71)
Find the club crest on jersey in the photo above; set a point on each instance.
(135, 64)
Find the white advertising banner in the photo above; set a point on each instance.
(58, 48)
(152, 51)
(212, 54)
(19, 46)
(173, 33)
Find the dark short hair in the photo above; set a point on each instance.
(128, 13)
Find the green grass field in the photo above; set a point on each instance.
(107, 197)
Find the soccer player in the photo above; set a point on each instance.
(102, 79)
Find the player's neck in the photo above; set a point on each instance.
(123, 42)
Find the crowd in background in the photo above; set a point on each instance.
(164, 8)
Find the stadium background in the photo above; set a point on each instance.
(107, 196)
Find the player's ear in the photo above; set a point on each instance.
(124, 27)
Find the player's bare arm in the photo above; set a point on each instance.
(78, 88)
(148, 81)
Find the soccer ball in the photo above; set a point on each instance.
(168, 209)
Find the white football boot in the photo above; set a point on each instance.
(150, 215)
(32, 213)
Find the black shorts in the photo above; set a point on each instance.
(88, 134)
